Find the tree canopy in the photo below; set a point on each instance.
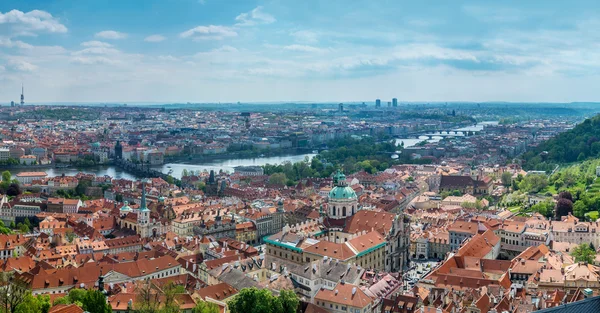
(580, 143)
(584, 253)
(252, 300)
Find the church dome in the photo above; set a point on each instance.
(125, 207)
(342, 193)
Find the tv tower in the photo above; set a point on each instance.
(22, 95)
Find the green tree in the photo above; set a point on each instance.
(252, 300)
(77, 295)
(289, 301)
(170, 179)
(277, 179)
(185, 173)
(506, 179)
(206, 307)
(95, 302)
(533, 183)
(31, 304)
(584, 253)
(546, 208)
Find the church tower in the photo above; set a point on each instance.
(143, 218)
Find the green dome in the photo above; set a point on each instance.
(125, 207)
(342, 193)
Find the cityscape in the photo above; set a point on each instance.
(133, 180)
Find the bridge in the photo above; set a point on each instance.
(142, 170)
(450, 133)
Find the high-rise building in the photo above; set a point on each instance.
(341, 107)
(378, 103)
(394, 102)
(389, 104)
(22, 95)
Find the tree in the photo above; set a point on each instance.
(31, 304)
(185, 173)
(252, 300)
(147, 298)
(289, 301)
(119, 198)
(565, 195)
(70, 235)
(278, 179)
(206, 307)
(584, 253)
(546, 208)
(170, 180)
(13, 190)
(563, 208)
(506, 179)
(533, 183)
(95, 302)
(12, 292)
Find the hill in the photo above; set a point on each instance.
(577, 144)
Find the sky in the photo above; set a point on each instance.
(292, 50)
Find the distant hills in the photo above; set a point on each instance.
(577, 144)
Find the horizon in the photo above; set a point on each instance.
(263, 51)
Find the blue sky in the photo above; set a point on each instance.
(309, 50)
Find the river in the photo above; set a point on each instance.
(409, 142)
(116, 172)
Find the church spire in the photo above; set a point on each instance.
(143, 206)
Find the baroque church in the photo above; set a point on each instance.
(143, 221)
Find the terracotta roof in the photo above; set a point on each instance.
(65, 308)
(345, 294)
(217, 292)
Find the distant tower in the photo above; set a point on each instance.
(395, 102)
(143, 213)
(12, 103)
(341, 106)
(389, 104)
(378, 103)
(22, 95)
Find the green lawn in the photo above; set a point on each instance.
(514, 209)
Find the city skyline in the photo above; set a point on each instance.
(323, 51)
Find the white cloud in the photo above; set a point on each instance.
(303, 48)
(32, 22)
(96, 43)
(305, 36)
(216, 32)
(155, 38)
(21, 65)
(93, 60)
(111, 34)
(168, 58)
(254, 17)
(226, 49)
(96, 50)
(8, 43)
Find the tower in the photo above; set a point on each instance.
(22, 95)
(395, 102)
(143, 218)
(341, 108)
(118, 150)
(378, 103)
